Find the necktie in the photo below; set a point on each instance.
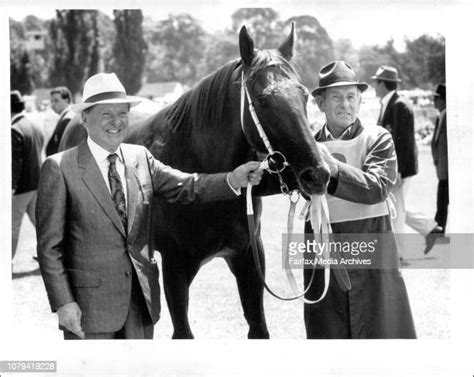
(116, 189)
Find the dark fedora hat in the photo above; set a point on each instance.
(15, 97)
(337, 73)
(440, 91)
(386, 73)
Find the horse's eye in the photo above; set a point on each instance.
(262, 101)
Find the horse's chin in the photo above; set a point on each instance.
(314, 181)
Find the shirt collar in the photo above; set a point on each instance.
(64, 111)
(329, 136)
(100, 154)
(387, 98)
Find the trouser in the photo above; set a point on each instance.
(415, 220)
(442, 202)
(138, 324)
(21, 203)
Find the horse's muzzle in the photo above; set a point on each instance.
(314, 180)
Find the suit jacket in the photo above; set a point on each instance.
(85, 254)
(400, 121)
(439, 147)
(53, 144)
(27, 142)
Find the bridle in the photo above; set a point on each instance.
(275, 162)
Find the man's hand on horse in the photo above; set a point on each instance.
(248, 172)
(69, 316)
(329, 159)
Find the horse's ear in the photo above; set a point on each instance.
(287, 47)
(247, 52)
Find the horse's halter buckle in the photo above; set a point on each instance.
(275, 162)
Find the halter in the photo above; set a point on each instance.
(276, 162)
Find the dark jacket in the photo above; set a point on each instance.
(439, 147)
(27, 142)
(53, 144)
(400, 121)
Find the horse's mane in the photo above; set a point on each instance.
(203, 105)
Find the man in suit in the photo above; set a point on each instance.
(61, 100)
(27, 142)
(93, 218)
(396, 115)
(439, 149)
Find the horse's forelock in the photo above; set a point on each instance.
(265, 58)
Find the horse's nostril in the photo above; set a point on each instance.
(308, 175)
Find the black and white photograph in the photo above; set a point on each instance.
(226, 188)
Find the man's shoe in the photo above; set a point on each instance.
(431, 238)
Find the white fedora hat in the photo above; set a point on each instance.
(103, 88)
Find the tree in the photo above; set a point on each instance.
(425, 60)
(74, 41)
(221, 48)
(372, 57)
(130, 48)
(263, 24)
(314, 46)
(176, 49)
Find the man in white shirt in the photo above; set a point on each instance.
(93, 218)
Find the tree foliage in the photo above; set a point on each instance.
(130, 49)
(83, 42)
(74, 39)
(178, 47)
(314, 46)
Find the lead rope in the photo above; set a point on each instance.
(317, 210)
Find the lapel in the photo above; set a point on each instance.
(388, 109)
(131, 176)
(93, 179)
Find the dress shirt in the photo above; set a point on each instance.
(100, 156)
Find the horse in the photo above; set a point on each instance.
(206, 131)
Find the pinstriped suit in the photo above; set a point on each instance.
(85, 254)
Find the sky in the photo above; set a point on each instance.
(364, 22)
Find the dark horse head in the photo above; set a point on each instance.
(280, 101)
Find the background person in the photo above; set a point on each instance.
(396, 115)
